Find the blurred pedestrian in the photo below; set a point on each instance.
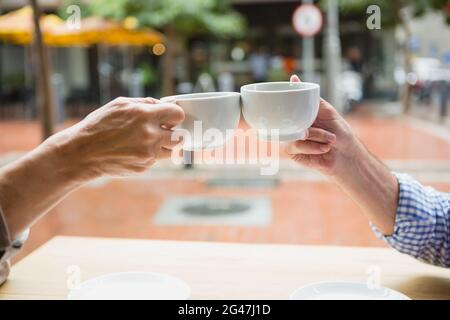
(259, 63)
(226, 81)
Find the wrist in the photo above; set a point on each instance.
(64, 153)
(350, 155)
(372, 185)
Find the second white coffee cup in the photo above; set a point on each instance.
(280, 110)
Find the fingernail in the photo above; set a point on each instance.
(325, 147)
(289, 148)
(331, 138)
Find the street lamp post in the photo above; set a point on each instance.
(308, 54)
(307, 22)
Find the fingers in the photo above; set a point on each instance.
(327, 112)
(145, 100)
(320, 135)
(318, 141)
(307, 147)
(295, 78)
(127, 100)
(165, 153)
(169, 139)
(168, 114)
(325, 104)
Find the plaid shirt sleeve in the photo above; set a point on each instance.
(422, 223)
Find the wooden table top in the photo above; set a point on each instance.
(221, 270)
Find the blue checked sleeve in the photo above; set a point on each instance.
(422, 223)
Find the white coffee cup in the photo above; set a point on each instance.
(210, 118)
(280, 110)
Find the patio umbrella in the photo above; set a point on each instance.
(91, 31)
(17, 27)
(97, 30)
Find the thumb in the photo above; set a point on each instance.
(295, 78)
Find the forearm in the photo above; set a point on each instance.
(371, 185)
(35, 183)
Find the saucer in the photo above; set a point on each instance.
(341, 290)
(132, 286)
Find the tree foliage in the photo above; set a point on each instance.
(390, 8)
(183, 16)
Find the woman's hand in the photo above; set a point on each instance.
(329, 144)
(123, 137)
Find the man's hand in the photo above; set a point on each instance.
(332, 148)
(123, 137)
(329, 145)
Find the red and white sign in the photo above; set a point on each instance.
(307, 20)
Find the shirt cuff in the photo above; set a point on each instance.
(8, 247)
(414, 221)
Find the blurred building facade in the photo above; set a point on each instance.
(86, 71)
